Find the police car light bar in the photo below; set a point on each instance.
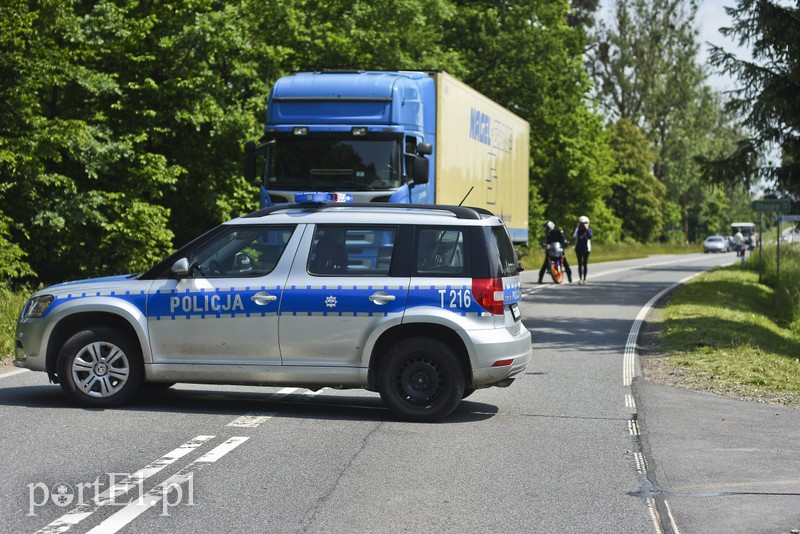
(322, 198)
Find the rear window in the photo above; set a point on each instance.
(440, 251)
(502, 257)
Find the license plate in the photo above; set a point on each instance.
(515, 311)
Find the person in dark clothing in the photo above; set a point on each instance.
(554, 234)
(583, 246)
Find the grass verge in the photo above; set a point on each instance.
(721, 334)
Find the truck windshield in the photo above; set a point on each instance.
(334, 164)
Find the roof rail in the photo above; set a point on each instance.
(461, 212)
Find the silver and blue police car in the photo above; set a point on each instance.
(418, 303)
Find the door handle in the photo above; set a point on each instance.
(381, 297)
(262, 298)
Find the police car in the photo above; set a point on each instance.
(418, 303)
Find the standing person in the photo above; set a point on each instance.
(738, 238)
(583, 246)
(553, 234)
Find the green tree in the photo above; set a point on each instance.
(767, 97)
(71, 173)
(638, 195)
(646, 68)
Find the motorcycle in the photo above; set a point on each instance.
(555, 265)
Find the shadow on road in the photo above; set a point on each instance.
(191, 399)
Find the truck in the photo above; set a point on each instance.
(417, 137)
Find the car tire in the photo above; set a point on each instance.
(100, 367)
(467, 392)
(421, 380)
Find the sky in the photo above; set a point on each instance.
(711, 17)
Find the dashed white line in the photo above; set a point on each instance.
(133, 510)
(633, 427)
(79, 513)
(628, 372)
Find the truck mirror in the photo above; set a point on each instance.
(421, 167)
(424, 149)
(250, 162)
(416, 169)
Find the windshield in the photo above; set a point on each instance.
(330, 164)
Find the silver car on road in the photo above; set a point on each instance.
(417, 303)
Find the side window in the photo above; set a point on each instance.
(352, 250)
(440, 251)
(241, 252)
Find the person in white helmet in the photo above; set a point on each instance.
(583, 246)
(552, 233)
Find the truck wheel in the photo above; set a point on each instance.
(421, 380)
(100, 367)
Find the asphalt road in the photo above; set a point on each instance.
(578, 443)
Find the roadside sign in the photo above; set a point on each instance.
(788, 218)
(777, 205)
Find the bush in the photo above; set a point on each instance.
(11, 304)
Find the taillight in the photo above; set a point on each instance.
(488, 293)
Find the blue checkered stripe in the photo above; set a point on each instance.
(137, 298)
(211, 303)
(341, 301)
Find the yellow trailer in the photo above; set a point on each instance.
(481, 153)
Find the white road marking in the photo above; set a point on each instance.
(629, 371)
(671, 518)
(655, 516)
(641, 462)
(633, 427)
(251, 419)
(133, 510)
(13, 373)
(79, 513)
(256, 419)
(629, 358)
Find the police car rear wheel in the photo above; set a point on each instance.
(100, 367)
(421, 380)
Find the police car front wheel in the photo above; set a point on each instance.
(421, 380)
(100, 366)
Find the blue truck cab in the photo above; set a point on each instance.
(363, 133)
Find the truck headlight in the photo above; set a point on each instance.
(36, 306)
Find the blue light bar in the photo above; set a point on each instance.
(321, 198)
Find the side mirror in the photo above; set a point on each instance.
(424, 149)
(417, 168)
(421, 168)
(250, 162)
(181, 268)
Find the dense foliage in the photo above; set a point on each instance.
(122, 122)
(645, 63)
(767, 95)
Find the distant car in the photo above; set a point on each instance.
(716, 243)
